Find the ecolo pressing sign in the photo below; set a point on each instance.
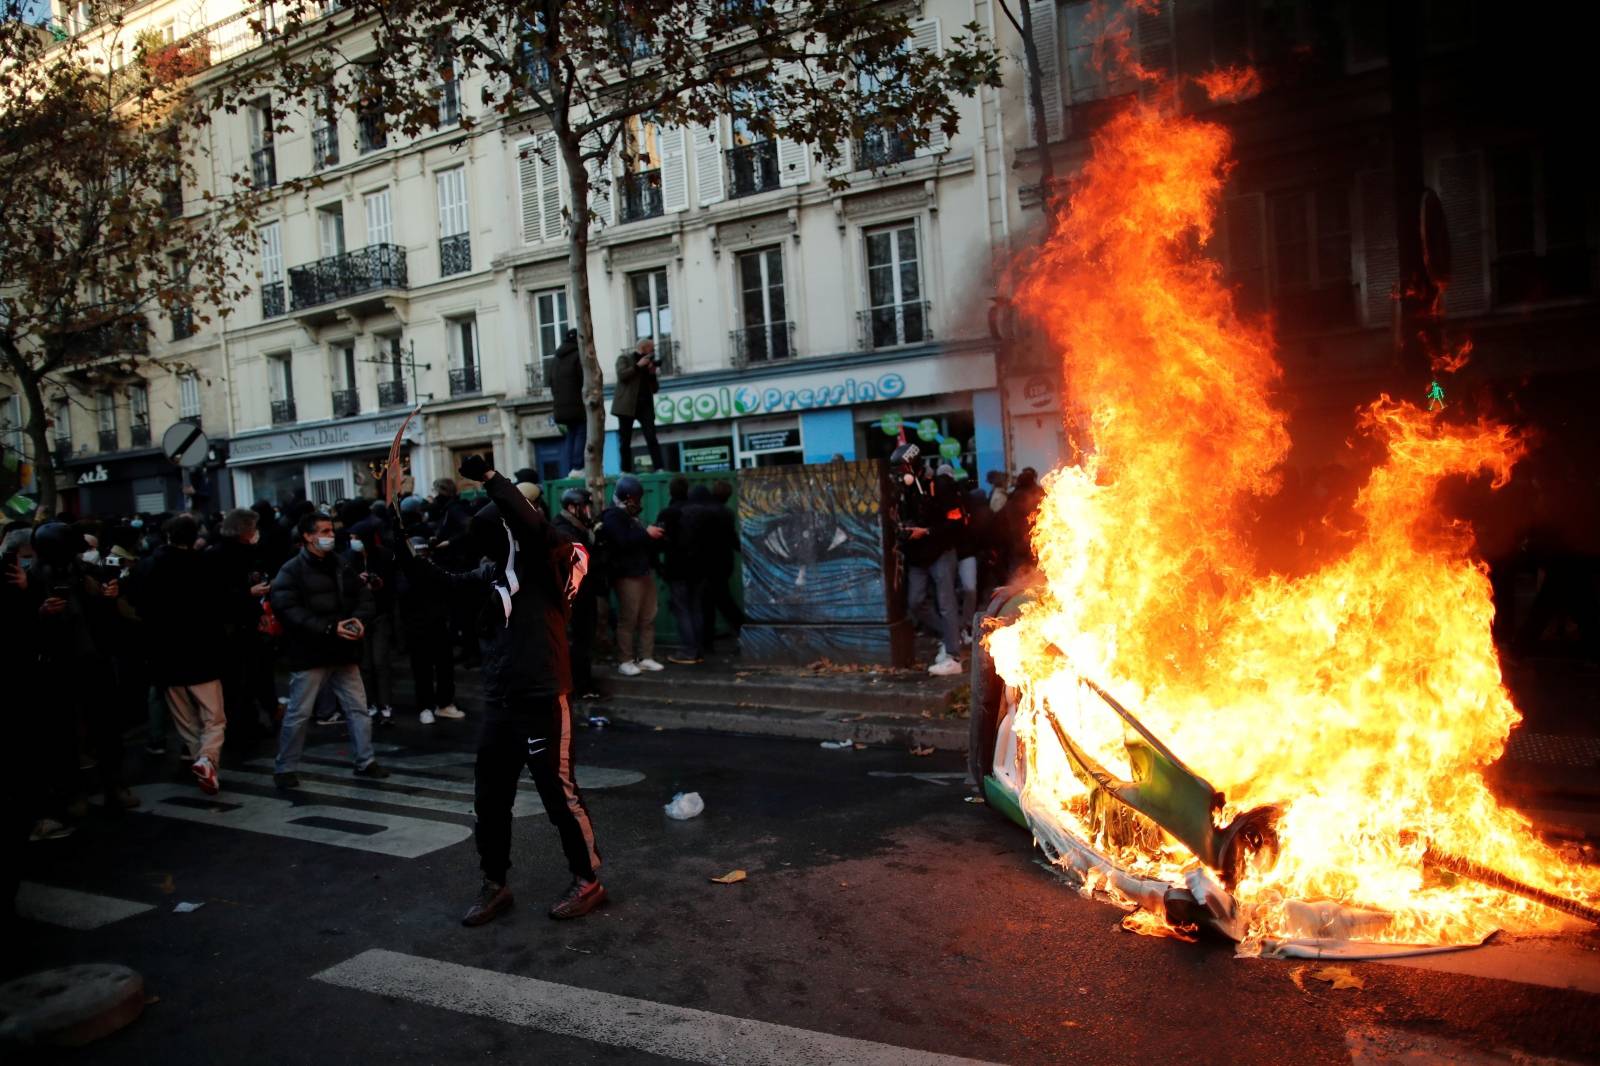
(738, 401)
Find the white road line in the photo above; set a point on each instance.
(71, 909)
(621, 1021)
(527, 802)
(589, 777)
(386, 834)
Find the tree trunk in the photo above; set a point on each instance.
(43, 465)
(578, 264)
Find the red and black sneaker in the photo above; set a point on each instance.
(205, 776)
(494, 899)
(579, 899)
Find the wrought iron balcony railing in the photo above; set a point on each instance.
(391, 393)
(264, 167)
(378, 266)
(111, 338)
(325, 146)
(895, 324)
(541, 373)
(455, 255)
(641, 195)
(753, 168)
(763, 343)
(139, 435)
(282, 412)
(465, 380)
(666, 356)
(372, 133)
(346, 403)
(108, 440)
(883, 146)
(272, 304)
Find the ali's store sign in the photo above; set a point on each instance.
(825, 388)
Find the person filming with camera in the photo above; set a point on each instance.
(638, 380)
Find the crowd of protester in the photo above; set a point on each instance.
(194, 624)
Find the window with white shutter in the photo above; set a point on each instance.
(452, 185)
(271, 253)
(540, 185)
(380, 218)
(708, 163)
(674, 169)
(189, 395)
(1043, 15)
(925, 38)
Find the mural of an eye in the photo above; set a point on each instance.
(805, 537)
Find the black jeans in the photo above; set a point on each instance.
(647, 422)
(688, 610)
(535, 732)
(718, 599)
(433, 666)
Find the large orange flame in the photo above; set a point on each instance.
(1364, 696)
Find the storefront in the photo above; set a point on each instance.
(142, 482)
(809, 411)
(325, 462)
(1037, 436)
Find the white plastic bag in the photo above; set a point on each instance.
(685, 805)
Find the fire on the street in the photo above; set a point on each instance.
(1360, 696)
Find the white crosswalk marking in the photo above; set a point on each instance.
(71, 909)
(621, 1021)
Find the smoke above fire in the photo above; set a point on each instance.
(1363, 695)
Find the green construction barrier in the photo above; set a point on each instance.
(655, 498)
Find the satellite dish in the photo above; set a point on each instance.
(1435, 239)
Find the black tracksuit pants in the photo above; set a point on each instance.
(535, 732)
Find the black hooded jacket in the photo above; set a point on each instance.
(525, 655)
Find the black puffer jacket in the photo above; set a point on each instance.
(310, 596)
(567, 387)
(525, 656)
(180, 596)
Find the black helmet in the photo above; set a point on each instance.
(56, 543)
(576, 496)
(629, 488)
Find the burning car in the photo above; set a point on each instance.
(1290, 756)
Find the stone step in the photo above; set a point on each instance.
(891, 730)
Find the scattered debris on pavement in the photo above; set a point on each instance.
(685, 805)
(732, 877)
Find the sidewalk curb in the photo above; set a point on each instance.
(885, 730)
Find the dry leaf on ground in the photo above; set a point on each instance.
(926, 749)
(1338, 976)
(732, 877)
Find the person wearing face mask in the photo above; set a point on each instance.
(183, 607)
(927, 543)
(247, 683)
(630, 549)
(375, 565)
(324, 608)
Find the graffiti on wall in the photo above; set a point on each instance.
(814, 540)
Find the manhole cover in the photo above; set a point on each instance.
(70, 1007)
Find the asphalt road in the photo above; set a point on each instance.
(883, 919)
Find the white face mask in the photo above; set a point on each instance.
(357, 546)
(325, 544)
(253, 538)
(92, 556)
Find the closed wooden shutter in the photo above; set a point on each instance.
(925, 37)
(674, 169)
(1043, 13)
(708, 163)
(1461, 195)
(452, 185)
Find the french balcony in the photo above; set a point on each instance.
(272, 299)
(541, 373)
(282, 412)
(325, 146)
(753, 168)
(371, 133)
(391, 394)
(346, 403)
(466, 381)
(374, 269)
(139, 435)
(455, 255)
(183, 323)
(641, 195)
(264, 167)
(883, 146)
(893, 325)
(666, 356)
(108, 440)
(763, 343)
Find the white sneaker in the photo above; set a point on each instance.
(946, 668)
(966, 636)
(450, 710)
(387, 712)
(650, 664)
(943, 656)
(629, 669)
(426, 717)
(372, 712)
